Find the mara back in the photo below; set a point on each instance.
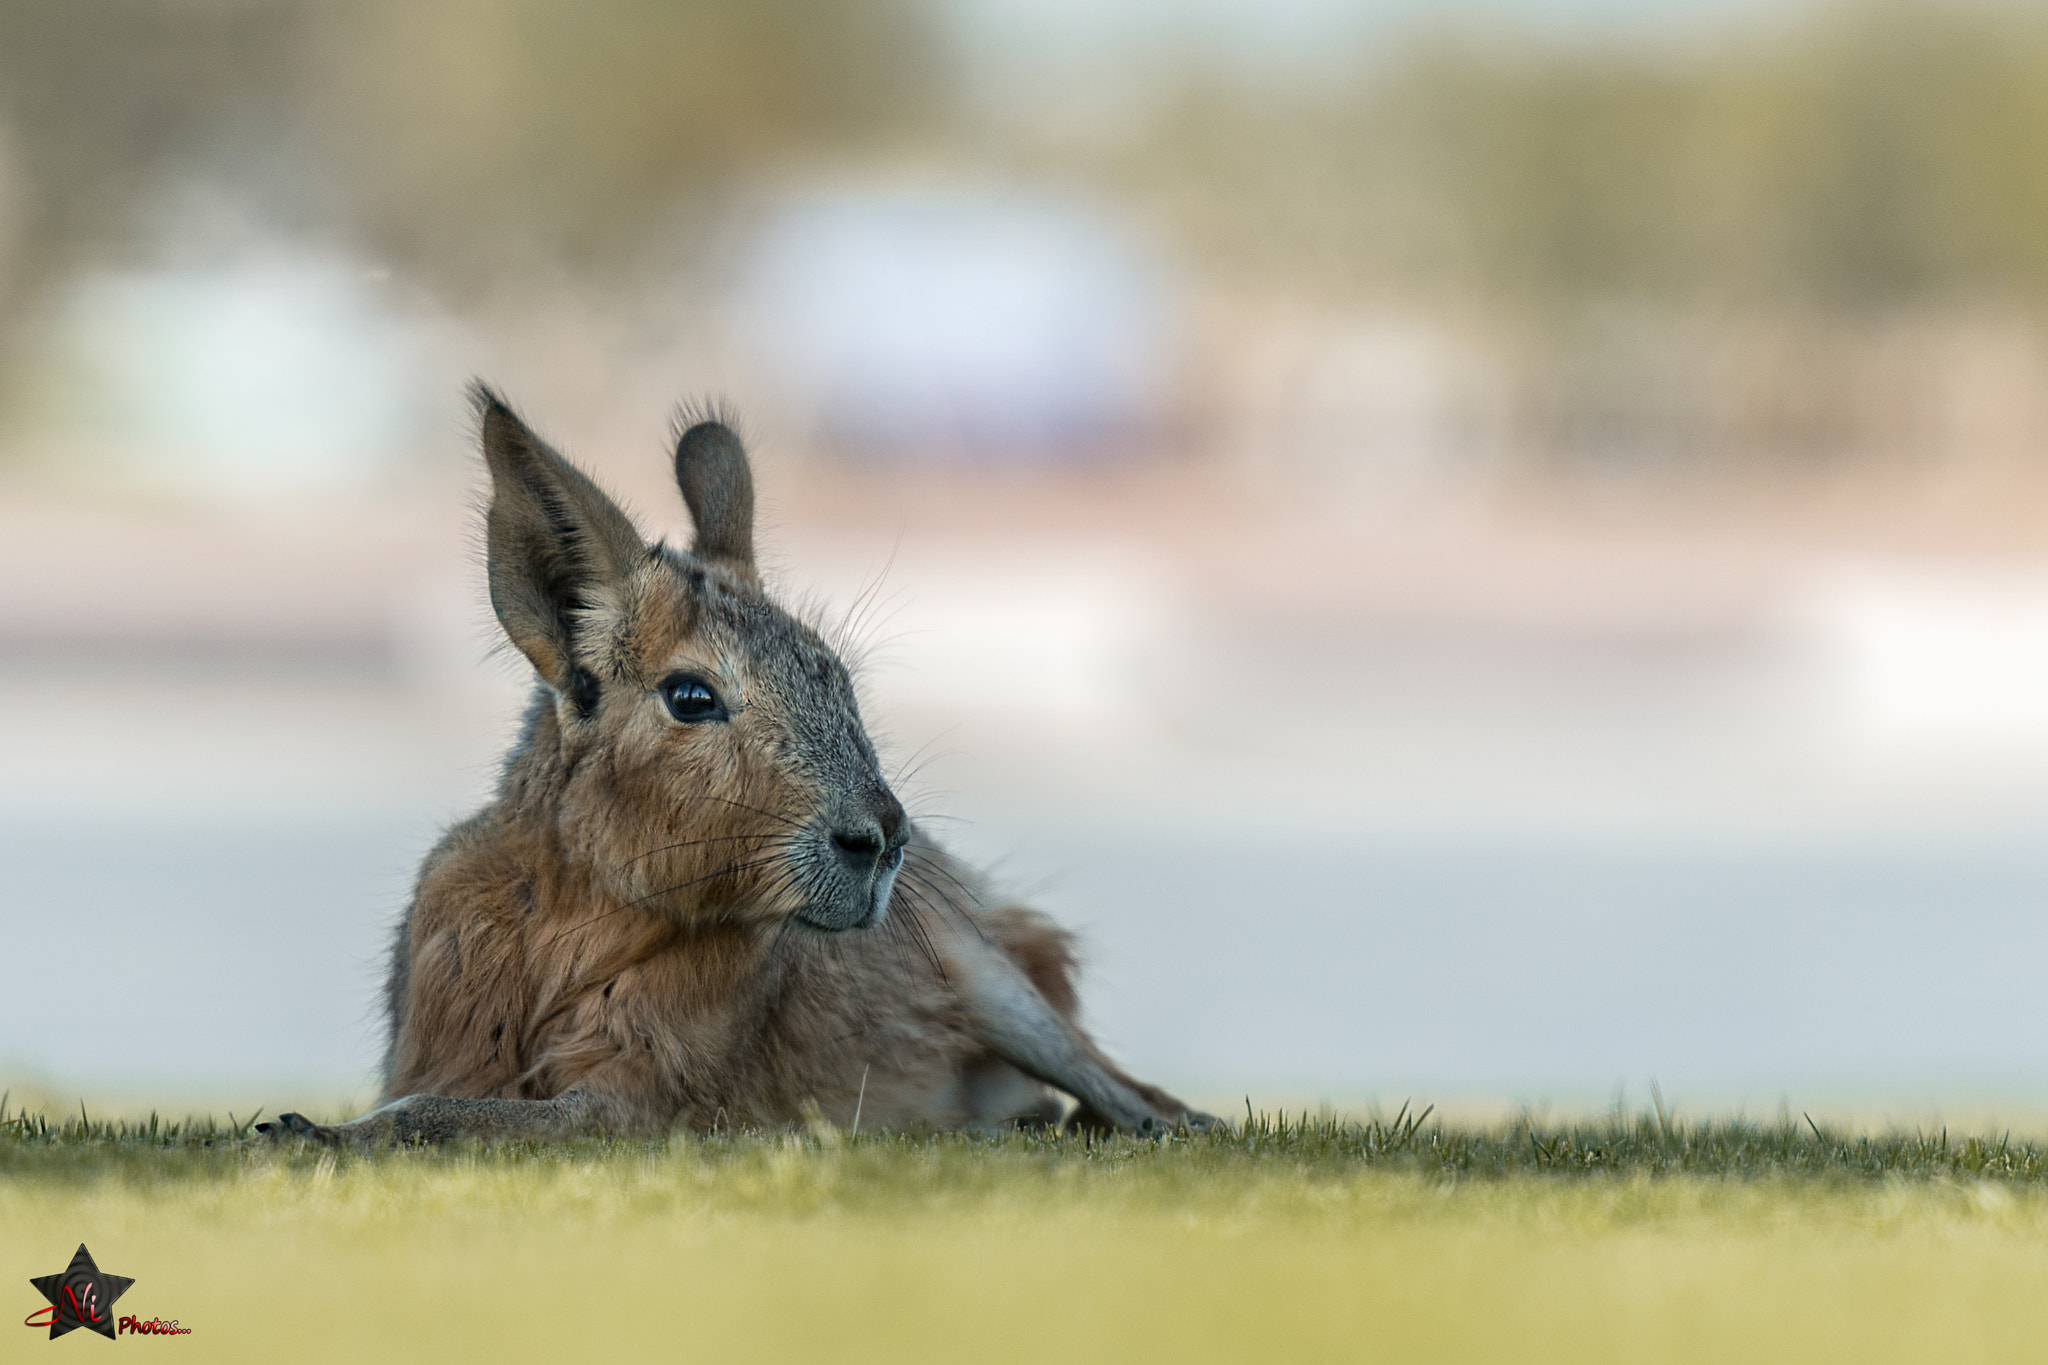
(695, 901)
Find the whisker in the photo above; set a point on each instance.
(781, 934)
(927, 896)
(892, 933)
(667, 891)
(934, 865)
(757, 810)
(967, 913)
(915, 927)
(849, 624)
(918, 756)
(783, 883)
(859, 618)
(709, 876)
(693, 843)
(909, 773)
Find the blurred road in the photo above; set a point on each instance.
(1349, 847)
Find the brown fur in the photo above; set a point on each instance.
(668, 920)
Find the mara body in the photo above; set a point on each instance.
(695, 901)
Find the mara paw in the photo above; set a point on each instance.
(288, 1126)
(1188, 1121)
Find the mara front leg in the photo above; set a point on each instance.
(1016, 1022)
(437, 1118)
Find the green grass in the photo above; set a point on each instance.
(1628, 1238)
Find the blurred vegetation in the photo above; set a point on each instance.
(1808, 242)
(463, 139)
(1794, 236)
(1861, 155)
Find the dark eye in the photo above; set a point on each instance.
(691, 699)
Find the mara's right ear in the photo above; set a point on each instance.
(554, 539)
(711, 468)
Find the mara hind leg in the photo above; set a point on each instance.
(997, 1094)
(1038, 1028)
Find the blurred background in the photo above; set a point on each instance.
(1495, 552)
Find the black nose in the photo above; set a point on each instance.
(872, 831)
(859, 847)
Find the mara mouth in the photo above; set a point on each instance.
(871, 912)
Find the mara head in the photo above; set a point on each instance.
(697, 748)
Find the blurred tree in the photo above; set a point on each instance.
(460, 138)
(1638, 213)
(1862, 155)
(104, 107)
(472, 131)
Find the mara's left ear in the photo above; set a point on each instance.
(555, 541)
(718, 487)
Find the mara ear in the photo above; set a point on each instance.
(554, 539)
(718, 487)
